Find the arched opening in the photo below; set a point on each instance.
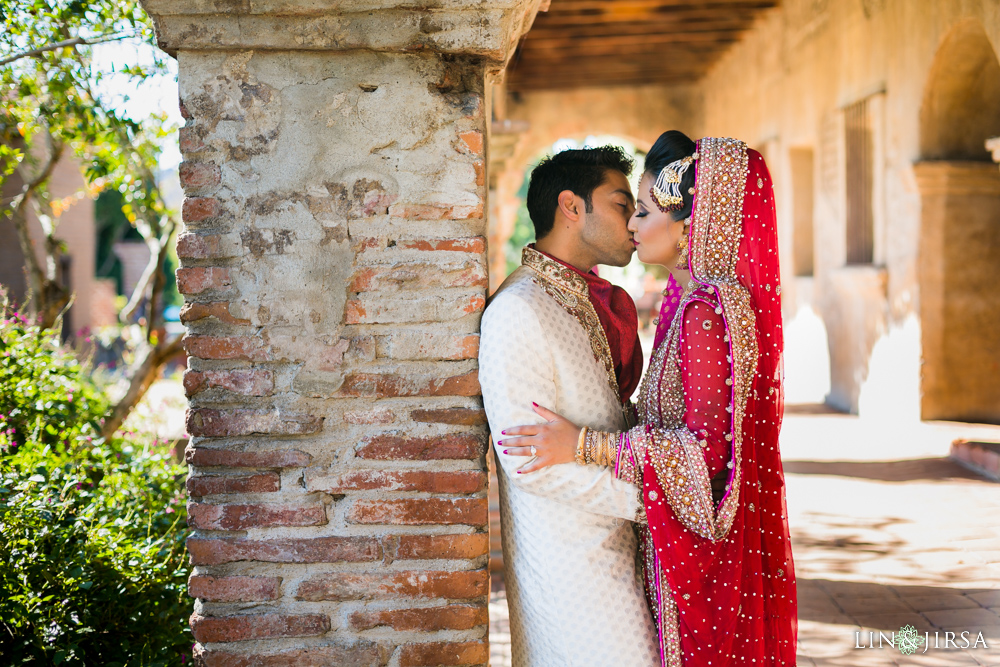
(960, 231)
(961, 98)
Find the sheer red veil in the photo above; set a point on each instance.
(736, 596)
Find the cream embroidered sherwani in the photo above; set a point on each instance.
(569, 546)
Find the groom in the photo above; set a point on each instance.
(557, 335)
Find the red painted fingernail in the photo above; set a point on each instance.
(499, 443)
(535, 404)
(518, 472)
(503, 432)
(505, 451)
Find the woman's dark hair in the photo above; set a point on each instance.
(579, 171)
(673, 145)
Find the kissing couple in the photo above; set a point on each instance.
(654, 533)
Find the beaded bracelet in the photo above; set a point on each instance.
(581, 456)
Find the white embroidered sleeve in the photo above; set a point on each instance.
(516, 367)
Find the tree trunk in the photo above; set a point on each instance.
(48, 296)
(144, 373)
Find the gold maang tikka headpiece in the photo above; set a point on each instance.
(666, 191)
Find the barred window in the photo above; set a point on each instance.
(859, 158)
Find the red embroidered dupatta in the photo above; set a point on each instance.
(726, 586)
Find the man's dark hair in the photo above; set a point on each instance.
(579, 171)
(669, 147)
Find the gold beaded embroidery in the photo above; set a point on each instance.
(722, 173)
(570, 291)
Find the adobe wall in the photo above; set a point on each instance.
(785, 87)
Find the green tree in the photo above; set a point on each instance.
(49, 80)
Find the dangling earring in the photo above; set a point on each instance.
(682, 245)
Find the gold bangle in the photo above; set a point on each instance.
(581, 456)
(606, 450)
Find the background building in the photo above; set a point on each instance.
(873, 116)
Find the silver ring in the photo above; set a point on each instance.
(533, 450)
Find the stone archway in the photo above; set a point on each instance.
(960, 236)
(636, 114)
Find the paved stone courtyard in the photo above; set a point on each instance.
(887, 532)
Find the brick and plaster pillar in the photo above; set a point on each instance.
(334, 271)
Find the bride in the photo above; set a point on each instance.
(716, 553)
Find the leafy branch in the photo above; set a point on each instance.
(49, 109)
(76, 41)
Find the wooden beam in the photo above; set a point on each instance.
(668, 56)
(627, 6)
(567, 83)
(574, 51)
(682, 15)
(645, 72)
(661, 25)
(609, 70)
(568, 41)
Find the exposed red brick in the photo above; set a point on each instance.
(410, 308)
(373, 416)
(391, 446)
(226, 347)
(223, 423)
(197, 209)
(257, 626)
(234, 589)
(419, 211)
(421, 511)
(420, 274)
(189, 141)
(480, 168)
(463, 481)
(384, 385)
(198, 279)
(197, 175)
(276, 458)
(405, 307)
(460, 416)
(451, 617)
(241, 517)
(358, 654)
(217, 309)
(472, 142)
(444, 653)
(432, 212)
(207, 485)
(306, 550)
(371, 585)
(185, 114)
(429, 547)
(354, 312)
(246, 381)
(363, 243)
(425, 345)
(198, 246)
(475, 304)
(475, 244)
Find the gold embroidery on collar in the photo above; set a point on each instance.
(570, 291)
